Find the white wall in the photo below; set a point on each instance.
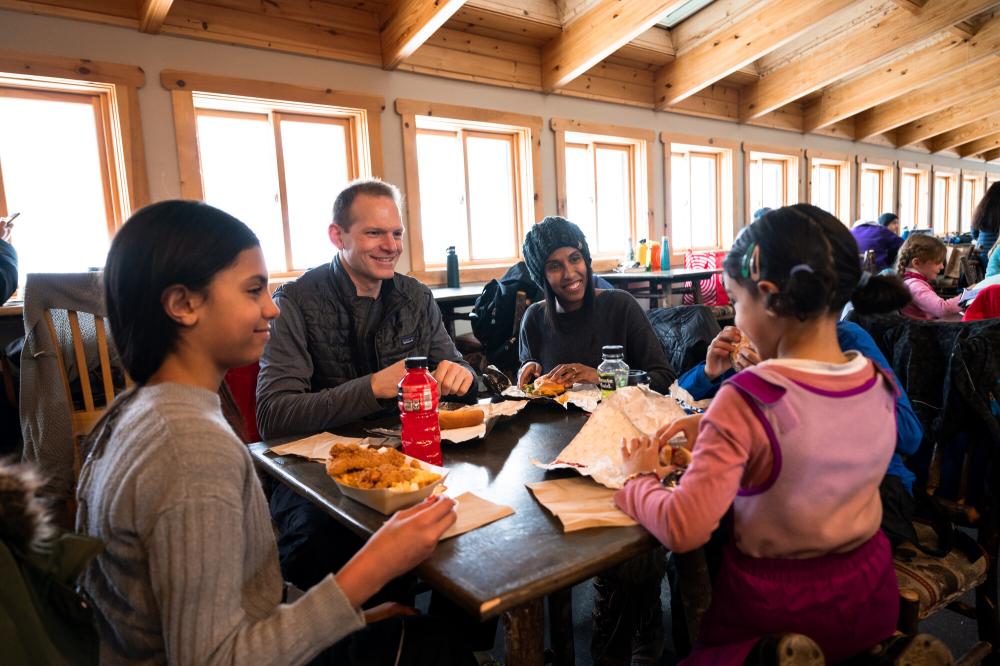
(153, 53)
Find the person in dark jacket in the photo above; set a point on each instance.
(882, 238)
(8, 262)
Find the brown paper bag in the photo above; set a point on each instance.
(580, 503)
(474, 512)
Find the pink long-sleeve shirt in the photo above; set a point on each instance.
(926, 304)
(733, 452)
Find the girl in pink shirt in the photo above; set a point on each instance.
(796, 445)
(920, 259)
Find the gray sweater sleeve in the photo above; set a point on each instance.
(286, 403)
(201, 605)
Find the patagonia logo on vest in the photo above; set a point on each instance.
(408, 340)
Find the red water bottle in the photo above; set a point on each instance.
(418, 404)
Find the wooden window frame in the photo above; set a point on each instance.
(640, 145)
(847, 195)
(978, 178)
(793, 180)
(924, 197)
(113, 91)
(279, 101)
(888, 195)
(726, 206)
(528, 177)
(953, 204)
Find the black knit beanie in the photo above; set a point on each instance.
(545, 238)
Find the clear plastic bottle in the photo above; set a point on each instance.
(418, 403)
(613, 371)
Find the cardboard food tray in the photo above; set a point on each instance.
(493, 412)
(389, 501)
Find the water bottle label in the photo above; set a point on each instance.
(607, 382)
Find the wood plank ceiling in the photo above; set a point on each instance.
(924, 74)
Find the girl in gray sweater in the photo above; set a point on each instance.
(190, 571)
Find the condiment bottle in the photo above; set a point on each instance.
(418, 404)
(654, 257)
(612, 372)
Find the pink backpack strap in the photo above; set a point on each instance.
(756, 390)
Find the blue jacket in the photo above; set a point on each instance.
(909, 433)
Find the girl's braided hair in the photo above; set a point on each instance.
(919, 246)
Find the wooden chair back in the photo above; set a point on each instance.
(84, 415)
(868, 262)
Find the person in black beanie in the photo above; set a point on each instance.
(562, 336)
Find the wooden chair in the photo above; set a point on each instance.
(868, 262)
(972, 269)
(93, 400)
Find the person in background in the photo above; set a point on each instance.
(336, 355)
(987, 216)
(986, 225)
(562, 337)
(8, 261)
(882, 239)
(807, 556)
(920, 260)
(189, 573)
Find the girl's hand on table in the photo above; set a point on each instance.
(528, 373)
(404, 541)
(642, 455)
(687, 424)
(568, 374)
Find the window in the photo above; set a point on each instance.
(66, 160)
(914, 197)
(700, 177)
(470, 181)
(772, 179)
(603, 184)
(946, 201)
(876, 195)
(276, 164)
(830, 184)
(973, 189)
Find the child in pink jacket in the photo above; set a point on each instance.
(920, 260)
(796, 445)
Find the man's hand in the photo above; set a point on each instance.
(452, 378)
(528, 373)
(385, 382)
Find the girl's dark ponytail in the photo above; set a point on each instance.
(880, 293)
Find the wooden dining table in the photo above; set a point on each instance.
(656, 285)
(508, 567)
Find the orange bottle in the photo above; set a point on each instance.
(654, 257)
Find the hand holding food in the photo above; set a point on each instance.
(687, 425)
(460, 418)
(382, 559)
(719, 357)
(545, 388)
(569, 374)
(452, 378)
(746, 355)
(528, 373)
(642, 455)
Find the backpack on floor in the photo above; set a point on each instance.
(494, 313)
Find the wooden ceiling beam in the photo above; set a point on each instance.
(985, 144)
(901, 76)
(597, 33)
(966, 133)
(737, 45)
(409, 23)
(910, 5)
(991, 155)
(833, 60)
(977, 107)
(929, 99)
(152, 14)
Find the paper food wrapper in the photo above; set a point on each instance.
(492, 412)
(686, 399)
(474, 512)
(628, 412)
(317, 447)
(584, 396)
(580, 504)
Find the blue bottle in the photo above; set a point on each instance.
(452, 268)
(664, 254)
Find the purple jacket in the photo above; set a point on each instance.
(871, 236)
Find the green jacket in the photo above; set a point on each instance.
(42, 618)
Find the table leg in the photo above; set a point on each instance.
(561, 627)
(524, 627)
(696, 285)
